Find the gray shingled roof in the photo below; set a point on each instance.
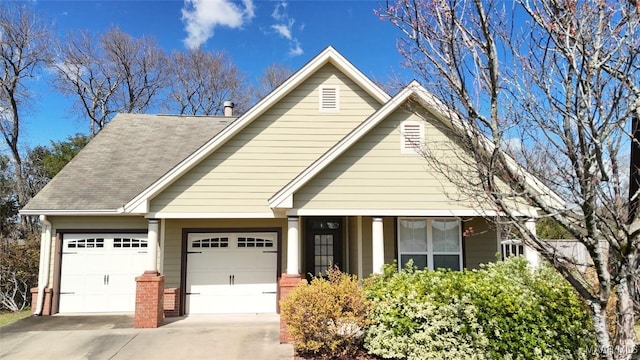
(126, 157)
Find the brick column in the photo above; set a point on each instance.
(149, 300)
(171, 302)
(287, 283)
(46, 306)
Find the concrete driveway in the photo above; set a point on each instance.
(113, 337)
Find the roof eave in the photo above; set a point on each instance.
(71, 212)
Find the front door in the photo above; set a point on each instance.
(323, 243)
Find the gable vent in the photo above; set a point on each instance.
(412, 137)
(329, 99)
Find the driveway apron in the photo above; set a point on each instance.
(113, 337)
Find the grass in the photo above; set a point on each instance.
(7, 317)
(638, 330)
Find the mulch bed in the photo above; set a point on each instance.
(362, 355)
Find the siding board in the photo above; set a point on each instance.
(374, 173)
(275, 147)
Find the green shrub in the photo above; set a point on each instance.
(327, 317)
(502, 311)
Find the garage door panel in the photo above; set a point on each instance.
(231, 303)
(207, 290)
(211, 260)
(244, 277)
(84, 263)
(123, 264)
(80, 303)
(203, 279)
(123, 283)
(231, 273)
(263, 303)
(98, 271)
(121, 302)
(254, 289)
(211, 304)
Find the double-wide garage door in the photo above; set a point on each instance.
(231, 273)
(98, 271)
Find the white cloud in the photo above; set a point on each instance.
(280, 11)
(284, 27)
(72, 71)
(283, 30)
(296, 50)
(513, 145)
(249, 9)
(202, 16)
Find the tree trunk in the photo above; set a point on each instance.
(634, 166)
(603, 342)
(624, 343)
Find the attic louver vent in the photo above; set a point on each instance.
(412, 137)
(329, 99)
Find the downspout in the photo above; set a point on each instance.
(45, 259)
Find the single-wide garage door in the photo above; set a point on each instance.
(231, 273)
(98, 271)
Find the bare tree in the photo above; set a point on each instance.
(79, 74)
(24, 48)
(118, 73)
(560, 78)
(202, 81)
(274, 75)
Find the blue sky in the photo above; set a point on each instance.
(255, 34)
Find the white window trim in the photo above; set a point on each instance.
(430, 252)
(320, 98)
(417, 148)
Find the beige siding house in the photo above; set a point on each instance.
(324, 170)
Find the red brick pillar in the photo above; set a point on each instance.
(149, 300)
(46, 305)
(286, 285)
(171, 302)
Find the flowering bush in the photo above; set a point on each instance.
(327, 317)
(501, 311)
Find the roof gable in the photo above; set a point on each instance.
(414, 91)
(140, 204)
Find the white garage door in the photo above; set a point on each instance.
(98, 271)
(231, 273)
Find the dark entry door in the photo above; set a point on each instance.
(323, 243)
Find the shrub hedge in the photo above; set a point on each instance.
(501, 311)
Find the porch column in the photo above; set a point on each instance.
(149, 312)
(293, 246)
(377, 244)
(152, 246)
(292, 278)
(529, 253)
